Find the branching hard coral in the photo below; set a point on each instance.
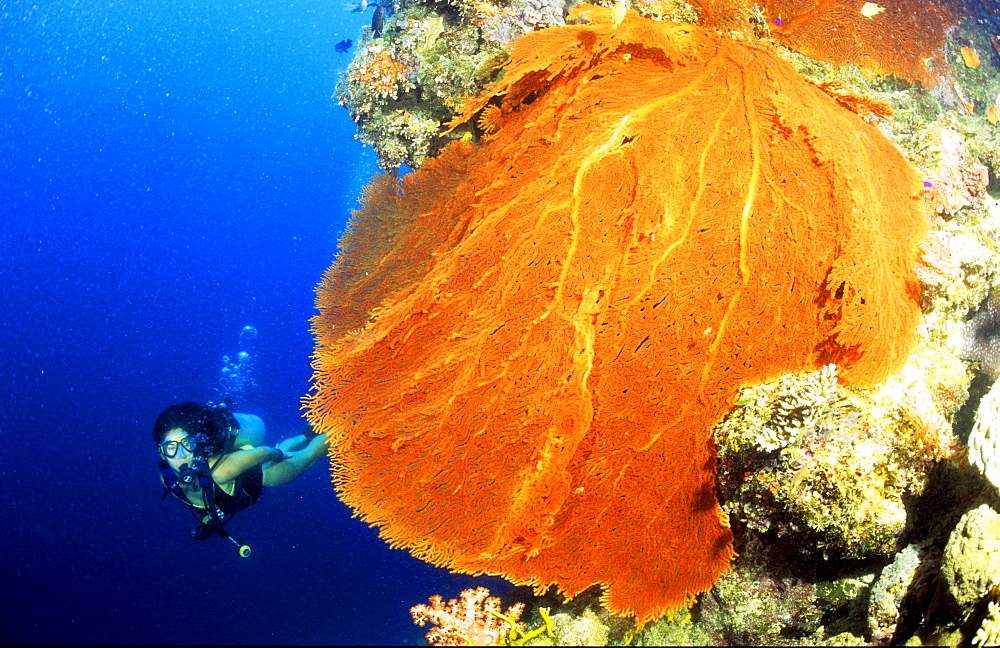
(989, 632)
(475, 619)
(785, 408)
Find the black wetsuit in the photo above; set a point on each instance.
(248, 488)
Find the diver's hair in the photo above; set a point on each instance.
(214, 421)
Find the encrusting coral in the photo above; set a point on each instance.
(804, 454)
(405, 83)
(971, 564)
(523, 349)
(888, 592)
(982, 346)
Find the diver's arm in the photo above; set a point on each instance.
(235, 464)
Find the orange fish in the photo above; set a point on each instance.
(970, 57)
(993, 114)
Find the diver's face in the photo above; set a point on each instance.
(182, 457)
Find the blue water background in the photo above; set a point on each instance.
(170, 172)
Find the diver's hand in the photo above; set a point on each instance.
(278, 455)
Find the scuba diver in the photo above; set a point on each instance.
(211, 458)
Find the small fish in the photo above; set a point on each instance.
(969, 105)
(343, 45)
(361, 7)
(377, 20)
(870, 10)
(970, 57)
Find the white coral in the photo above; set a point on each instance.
(984, 441)
(796, 401)
(989, 632)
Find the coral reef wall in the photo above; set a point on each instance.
(409, 78)
(407, 81)
(522, 350)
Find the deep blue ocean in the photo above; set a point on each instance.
(172, 171)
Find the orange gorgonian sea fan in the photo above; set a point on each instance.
(883, 37)
(523, 346)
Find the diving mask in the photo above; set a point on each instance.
(169, 448)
